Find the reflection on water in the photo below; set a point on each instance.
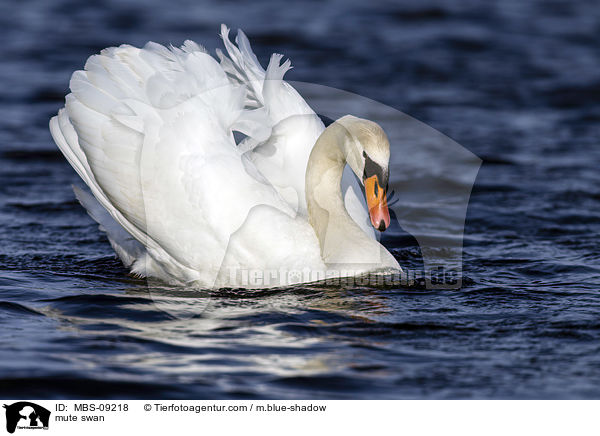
(275, 338)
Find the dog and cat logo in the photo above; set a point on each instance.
(26, 415)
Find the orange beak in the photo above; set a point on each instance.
(377, 204)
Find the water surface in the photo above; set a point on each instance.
(515, 82)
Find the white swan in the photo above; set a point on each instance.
(151, 133)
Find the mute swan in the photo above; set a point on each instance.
(151, 133)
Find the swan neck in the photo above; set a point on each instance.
(326, 210)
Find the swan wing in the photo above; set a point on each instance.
(294, 128)
(150, 133)
(127, 248)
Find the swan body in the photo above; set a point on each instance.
(151, 133)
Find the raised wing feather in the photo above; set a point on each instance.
(294, 128)
(150, 132)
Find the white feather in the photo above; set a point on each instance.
(150, 132)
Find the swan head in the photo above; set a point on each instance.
(368, 154)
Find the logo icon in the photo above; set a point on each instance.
(26, 415)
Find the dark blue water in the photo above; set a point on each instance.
(515, 82)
